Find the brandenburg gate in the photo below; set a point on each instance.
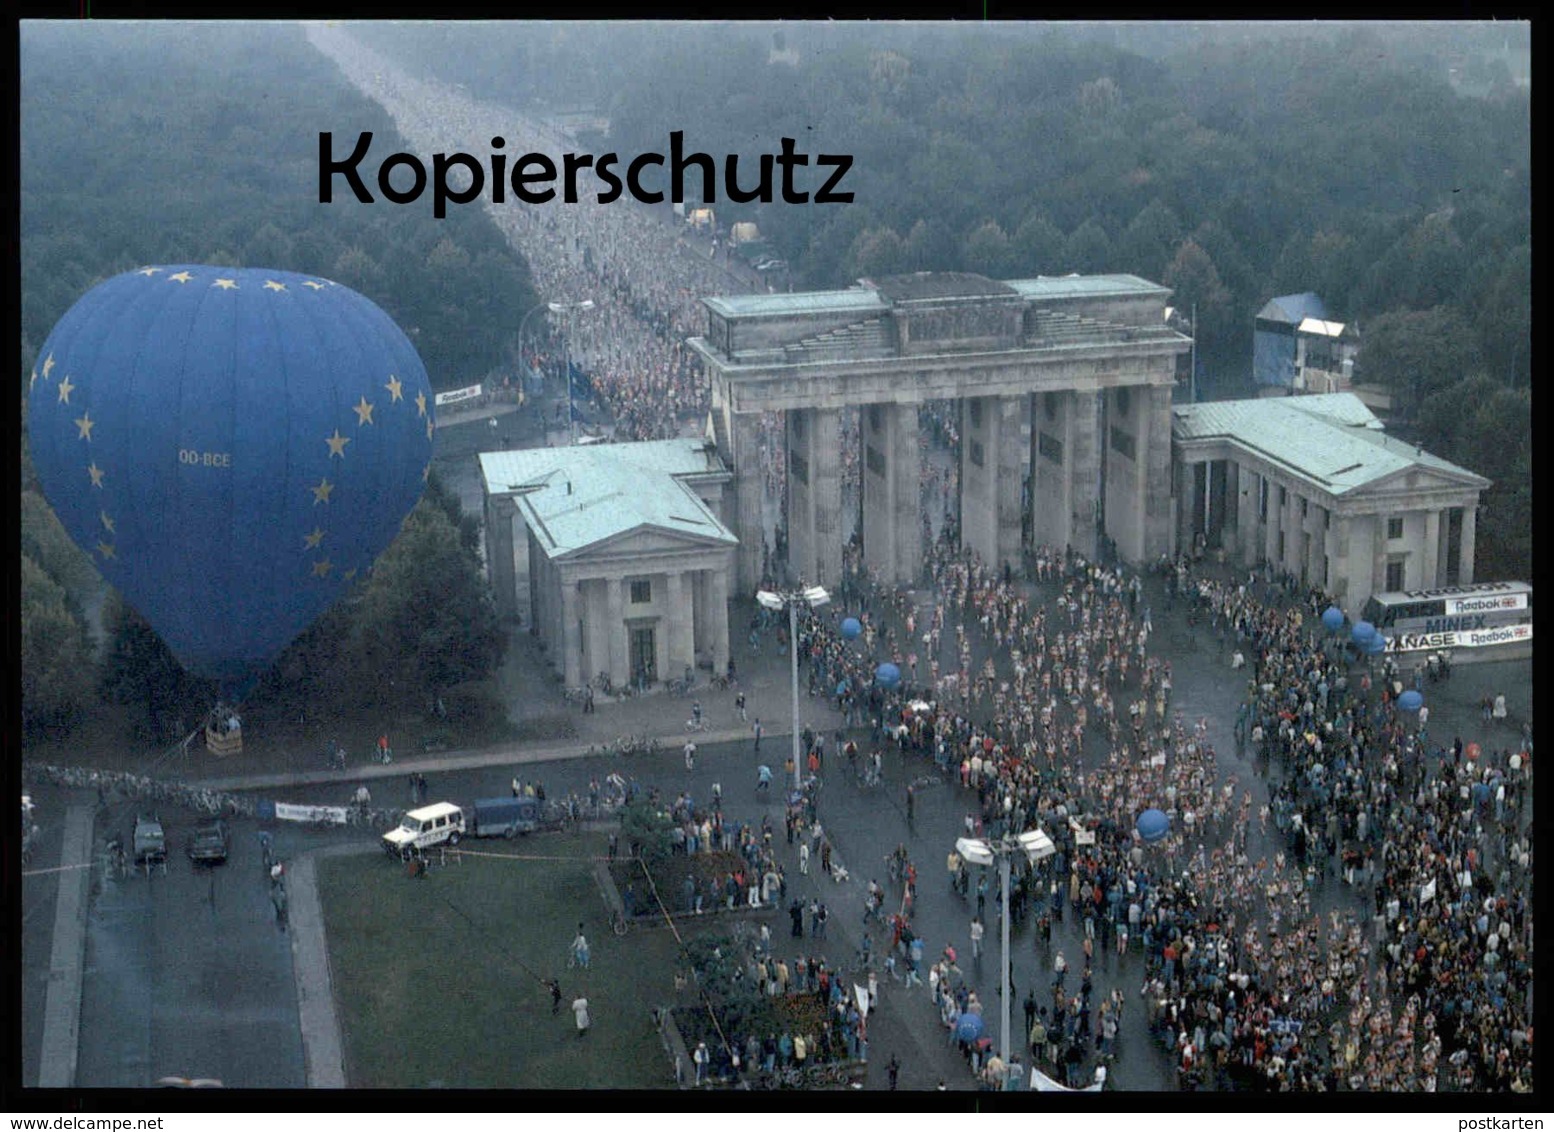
(1063, 384)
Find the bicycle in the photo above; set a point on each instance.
(618, 923)
(696, 725)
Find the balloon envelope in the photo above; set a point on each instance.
(887, 675)
(1153, 825)
(851, 627)
(1333, 618)
(1375, 645)
(1410, 700)
(232, 447)
(1362, 632)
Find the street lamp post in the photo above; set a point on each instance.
(814, 597)
(1036, 845)
(523, 324)
(570, 309)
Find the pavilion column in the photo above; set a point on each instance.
(571, 636)
(1465, 551)
(1051, 449)
(717, 617)
(1431, 551)
(1009, 459)
(889, 479)
(826, 495)
(677, 626)
(615, 624)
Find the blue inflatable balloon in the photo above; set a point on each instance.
(232, 447)
(1332, 619)
(887, 675)
(1375, 645)
(1411, 700)
(851, 628)
(1362, 632)
(969, 1027)
(1152, 825)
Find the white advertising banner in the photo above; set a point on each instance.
(1467, 639)
(327, 815)
(454, 396)
(1486, 603)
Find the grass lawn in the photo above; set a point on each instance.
(437, 979)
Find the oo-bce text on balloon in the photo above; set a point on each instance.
(539, 169)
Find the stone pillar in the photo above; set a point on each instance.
(892, 535)
(1156, 408)
(1431, 551)
(1443, 563)
(1051, 453)
(570, 642)
(826, 495)
(1465, 551)
(717, 617)
(1378, 554)
(677, 626)
(615, 627)
(1010, 473)
(1338, 585)
(499, 554)
(749, 524)
(1084, 471)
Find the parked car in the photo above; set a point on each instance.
(423, 828)
(771, 265)
(149, 840)
(210, 842)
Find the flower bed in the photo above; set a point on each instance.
(669, 873)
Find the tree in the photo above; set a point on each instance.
(876, 253)
(44, 541)
(1195, 281)
(649, 830)
(1037, 247)
(1416, 353)
(1089, 248)
(56, 655)
(986, 250)
(425, 619)
(1145, 246)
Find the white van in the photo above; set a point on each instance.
(428, 826)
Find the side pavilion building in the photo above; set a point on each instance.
(1314, 486)
(616, 553)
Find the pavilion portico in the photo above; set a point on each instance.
(1063, 387)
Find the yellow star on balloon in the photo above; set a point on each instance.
(84, 423)
(420, 401)
(105, 550)
(64, 390)
(321, 569)
(337, 443)
(349, 574)
(48, 364)
(314, 539)
(96, 473)
(429, 427)
(107, 522)
(310, 283)
(226, 284)
(272, 285)
(395, 388)
(148, 271)
(363, 412)
(33, 380)
(321, 492)
(426, 473)
(181, 277)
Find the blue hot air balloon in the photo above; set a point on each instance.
(1362, 632)
(1410, 700)
(232, 447)
(1332, 619)
(887, 675)
(1152, 825)
(851, 627)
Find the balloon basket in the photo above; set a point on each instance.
(223, 744)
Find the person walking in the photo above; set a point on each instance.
(893, 1071)
(977, 932)
(580, 1012)
(554, 986)
(580, 948)
(757, 730)
(804, 858)
(739, 705)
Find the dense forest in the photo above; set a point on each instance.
(198, 143)
(1385, 167)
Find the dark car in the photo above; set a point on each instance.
(210, 842)
(149, 841)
